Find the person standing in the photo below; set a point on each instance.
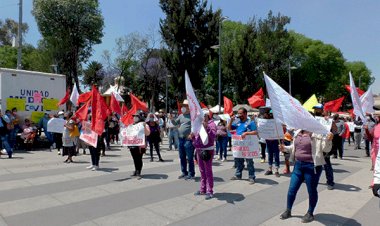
(186, 148)
(273, 151)
(369, 125)
(4, 134)
(351, 127)
(154, 137)
(307, 151)
(337, 128)
(346, 135)
(137, 152)
(172, 132)
(221, 140)
(205, 153)
(68, 141)
(243, 126)
(358, 132)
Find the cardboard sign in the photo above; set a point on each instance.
(326, 123)
(247, 148)
(269, 129)
(87, 135)
(50, 104)
(133, 135)
(16, 103)
(56, 125)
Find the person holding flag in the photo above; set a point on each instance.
(243, 126)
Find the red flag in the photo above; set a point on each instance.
(227, 105)
(65, 98)
(360, 92)
(114, 105)
(203, 105)
(99, 112)
(124, 109)
(179, 108)
(351, 111)
(334, 105)
(138, 104)
(127, 119)
(257, 99)
(82, 112)
(84, 97)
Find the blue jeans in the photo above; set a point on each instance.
(186, 154)
(304, 171)
(273, 151)
(12, 138)
(221, 146)
(239, 162)
(6, 146)
(49, 136)
(173, 136)
(329, 171)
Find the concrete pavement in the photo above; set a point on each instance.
(37, 188)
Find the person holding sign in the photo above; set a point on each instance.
(273, 151)
(137, 152)
(307, 151)
(205, 154)
(243, 126)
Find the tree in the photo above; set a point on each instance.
(9, 31)
(188, 31)
(93, 75)
(71, 28)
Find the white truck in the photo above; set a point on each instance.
(32, 93)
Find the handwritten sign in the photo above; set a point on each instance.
(351, 126)
(133, 135)
(87, 135)
(16, 103)
(269, 129)
(56, 125)
(247, 148)
(36, 116)
(50, 104)
(325, 122)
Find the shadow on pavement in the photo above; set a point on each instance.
(340, 171)
(346, 187)
(109, 170)
(123, 179)
(216, 179)
(155, 176)
(265, 181)
(333, 219)
(110, 155)
(229, 197)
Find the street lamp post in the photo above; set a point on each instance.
(290, 77)
(166, 93)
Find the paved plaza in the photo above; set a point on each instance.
(37, 188)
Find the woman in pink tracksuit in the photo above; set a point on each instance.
(205, 158)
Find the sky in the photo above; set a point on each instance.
(353, 26)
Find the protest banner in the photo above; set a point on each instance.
(269, 129)
(16, 103)
(50, 104)
(247, 148)
(133, 135)
(325, 122)
(36, 116)
(56, 125)
(87, 135)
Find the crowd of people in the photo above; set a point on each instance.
(310, 153)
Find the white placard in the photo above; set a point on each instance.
(351, 126)
(87, 135)
(133, 135)
(247, 148)
(269, 129)
(325, 122)
(56, 125)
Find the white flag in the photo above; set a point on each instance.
(289, 110)
(116, 94)
(196, 113)
(368, 101)
(74, 95)
(358, 110)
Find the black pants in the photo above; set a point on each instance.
(263, 147)
(95, 155)
(351, 137)
(156, 145)
(367, 143)
(337, 146)
(137, 154)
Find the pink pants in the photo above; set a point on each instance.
(205, 168)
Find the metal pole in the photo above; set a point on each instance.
(290, 79)
(220, 67)
(19, 33)
(166, 97)
(360, 80)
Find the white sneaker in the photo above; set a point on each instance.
(4, 152)
(95, 168)
(224, 159)
(90, 167)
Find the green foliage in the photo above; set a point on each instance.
(94, 74)
(188, 31)
(70, 28)
(9, 30)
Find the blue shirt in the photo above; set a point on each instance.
(246, 126)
